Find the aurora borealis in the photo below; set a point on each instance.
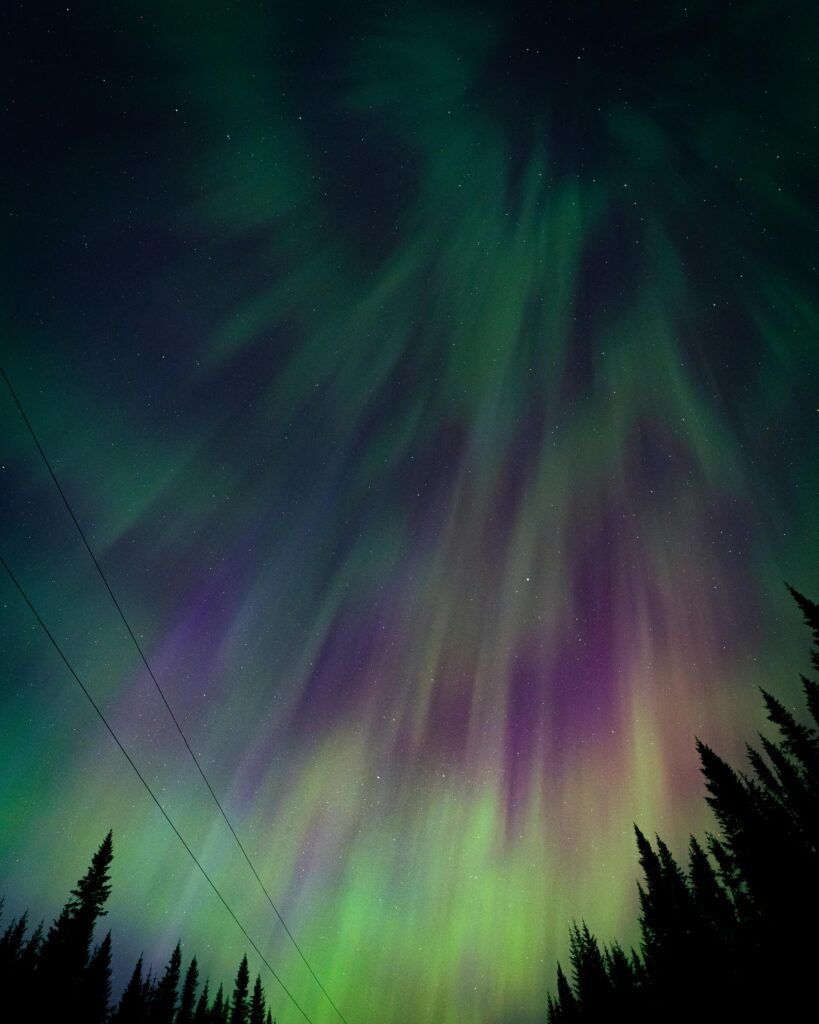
(438, 385)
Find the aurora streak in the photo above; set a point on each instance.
(438, 385)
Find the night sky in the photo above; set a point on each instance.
(437, 385)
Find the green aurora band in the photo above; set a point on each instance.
(438, 388)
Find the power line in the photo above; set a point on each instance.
(138, 646)
(145, 783)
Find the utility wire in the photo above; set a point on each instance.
(153, 795)
(138, 646)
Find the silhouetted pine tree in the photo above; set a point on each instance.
(591, 983)
(744, 826)
(719, 942)
(65, 951)
(722, 941)
(798, 741)
(769, 826)
(18, 959)
(219, 1010)
(563, 1009)
(149, 996)
(794, 780)
(239, 1004)
(257, 1007)
(59, 978)
(163, 1004)
(132, 1008)
(667, 919)
(201, 1014)
(187, 1001)
(95, 987)
(624, 974)
(11, 946)
(811, 613)
(27, 959)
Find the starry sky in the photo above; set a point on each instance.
(437, 384)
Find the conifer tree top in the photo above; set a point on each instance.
(94, 888)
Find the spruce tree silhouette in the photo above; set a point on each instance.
(27, 961)
(811, 614)
(65, 951)
(95, 987)
(591, 982)
(201, 1014)
(717, 940)
(563, 1009)
(239, 1002)
(624, 978)
(132, 1008)
(163, 1004)
(187, 1000)
(219, 1010)
(721, 941)
(257, 1007)
(18, 959)
(11, 946)
(94, 888)
(149, 995)
(56, 979)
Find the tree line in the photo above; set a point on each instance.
(726, 936)
(62, 975)
(729, 934)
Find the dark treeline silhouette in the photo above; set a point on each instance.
(728, 936)
(725, 937)
(58, 976)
